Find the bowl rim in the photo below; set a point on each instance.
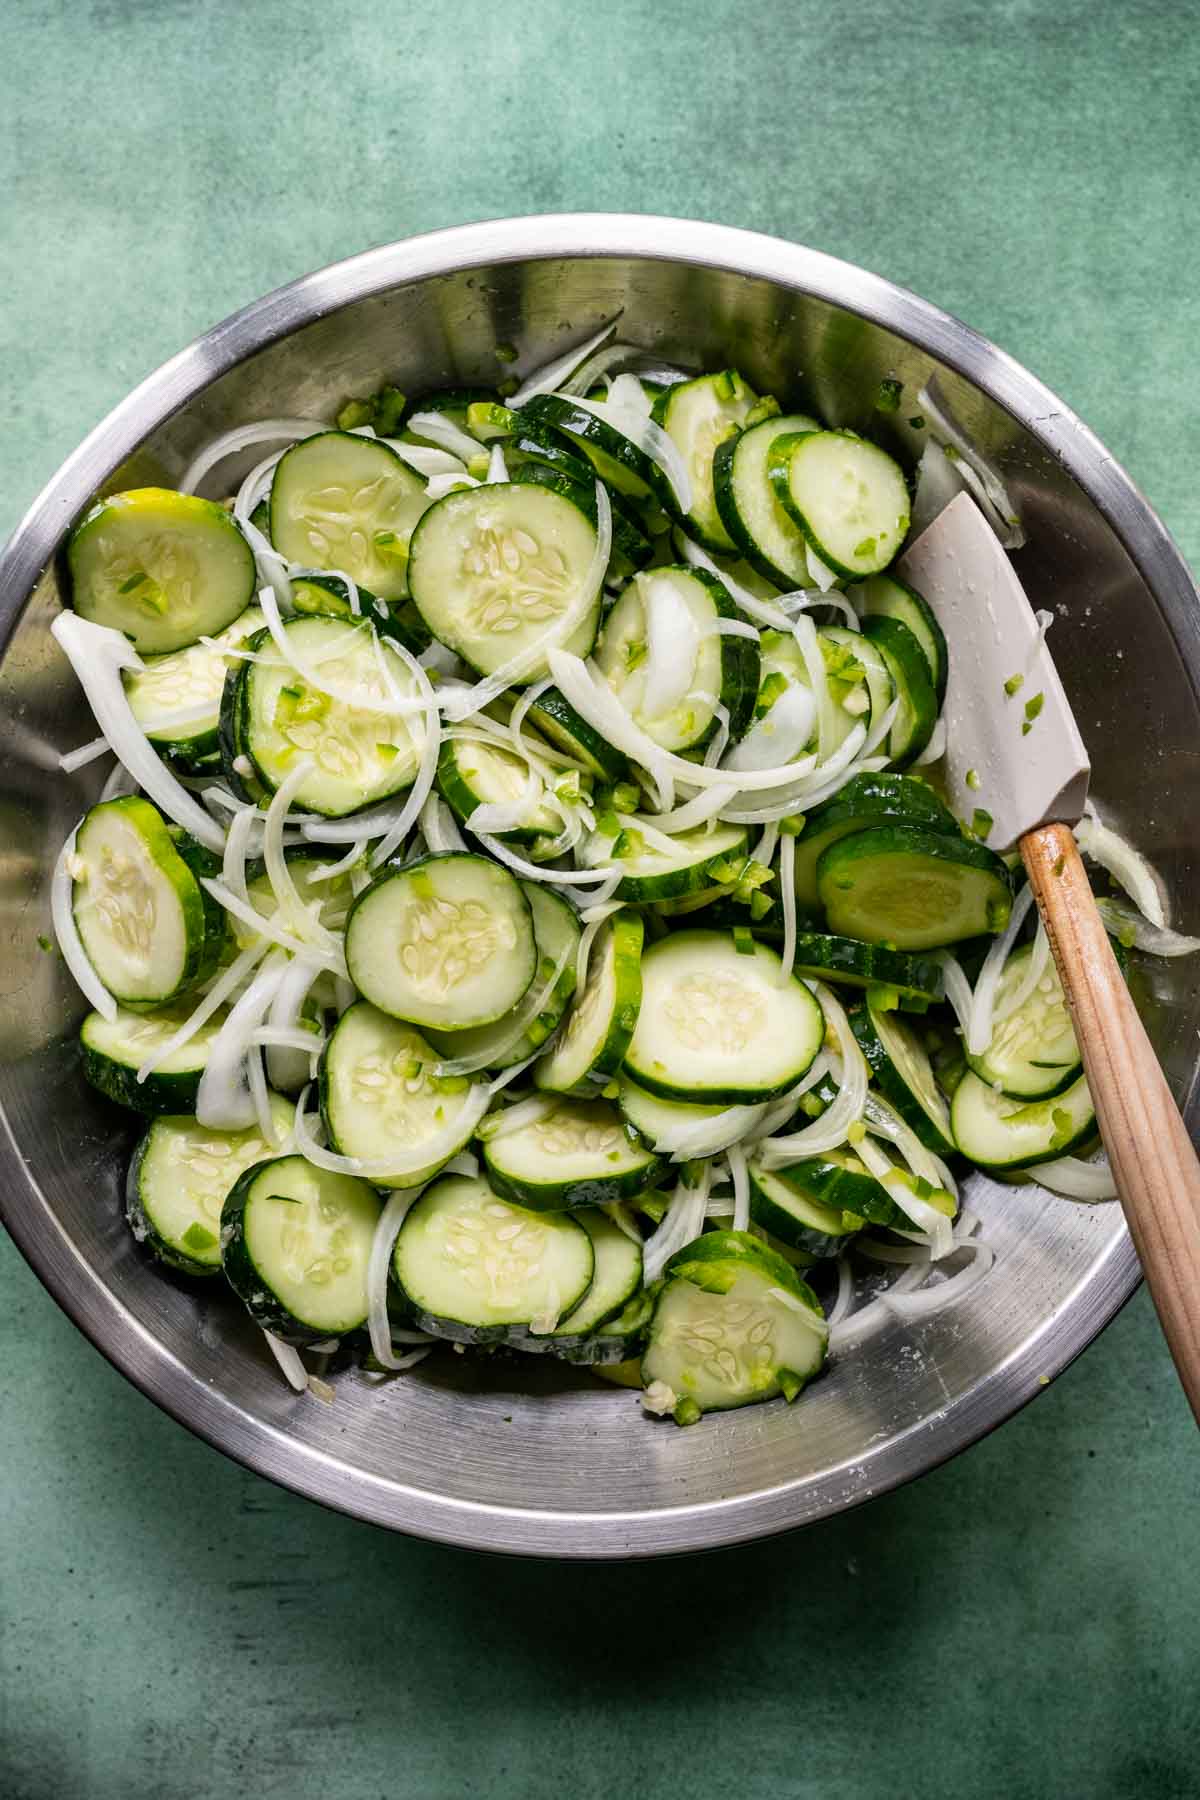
(269, 1450)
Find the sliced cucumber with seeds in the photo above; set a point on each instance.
(697, 416)
(657, 1120)
(997, 1132)
(864, 801)
(796, 1217)
(164, 568)
(179, 1179)
(652, 875)
(348, 503)
(295, 1242)
(556, 932)
(579, 1154)
(150, 930)
(883, 596)
(1032, 1052)
(912, 682)
(717, 1025)
(563, 727)
(380, 1096)
(846, 961)
(113, 1050)
(912, 889)
(183, 681)
(733, 1325)
(847, 496)
(359, 754)
(446, 941)
(901, 1070)
(602, 1019)
(749, 508)
(493, 568)
(631, 548)
(663, 656)
(472, 774)
(619, 462)
(396, 619)
(476, 1269)
(614, 1298)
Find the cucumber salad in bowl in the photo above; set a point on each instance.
(523, 912)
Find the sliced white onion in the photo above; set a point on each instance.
(98, 656)
(333, 871)
(497, 467)
(387, 1230)
(958, 990)
(439, 826)
(429, 1151)
(822, 574)
(438, 429)
(438, 486)
(555, 374)
(787, 893)
(845, 1294)
(780, 735)
(702, 808)
(719, 741)
(224, 1101)
(1075, 1179)
(682, 1222)
(289, 1056)
(766, 612)
(930, 1300)
(272, 567)
(1124, 864)
(62, 914)
(506, 815)
(935, 749)
(288, 1358)
(263, 431)
(706, 1137)
(651, 440)
(1128, 925)
(397, 705)
(242, 827)
(422, 787)
(829, 1130)
(983, 1001)
(331, 959)
(573, 878)
(532, 1003)
(516, 1117)
(741, 1187)
(672, 647)
(987, 486)
(737, 628)
(1039, 958)
(220, 991)
(291, 908)
(809, 645)
(426, 460)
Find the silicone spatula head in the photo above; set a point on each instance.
(1013, 749)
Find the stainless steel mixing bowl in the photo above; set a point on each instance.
(523, 1457)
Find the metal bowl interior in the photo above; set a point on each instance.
(523, 1457)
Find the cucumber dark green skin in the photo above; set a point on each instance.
(741, 662)
(613, 1342)
(564, 414)
(532, 445)
(892, 1085)
(731, 518)
(825, 1232)
(839, 871)
(631, 548)
(399, 619)
(562, 726)
(865, 800)
(912, 679)
(570, 1196)
(229, 737)
(462, 801)
(731, 1247)
(852, 1191)
(142, 1226)
(159, 1093)
(241, 1273)
(913, 610)
(675, 884)
(204, 865)
(827, 957)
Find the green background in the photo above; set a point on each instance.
(1024, 1622)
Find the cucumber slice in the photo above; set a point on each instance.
(601, 1022)
(901, 1070)
(491, 568)
(380, 1096)
(823, 956)
(620, 464)
(114, 1050)
(183, 681)
(763, 531)
(631, 548)
(917, 713)
(446, 941)
(580, 1154)
(883, 596)
(295, 1242)
(731, 1329)
(719, 1026)
(347, 503)
(652, 875)
(615, 1298)
(556, 933)
(540, 446)
(359, 756)
(178, 1181)
(1033, 1052)
(912, 889)
(999, 1133)
(698, 415)
(398, 620)
(471, 774)
(838, 1181)
(847, 496)
(150, 930)
(661, 654)
(164, 568)
(477, 1270)
(864, 801)
(562, 726)
(796, 1217)
(658, 1120)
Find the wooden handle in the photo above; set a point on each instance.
(1153, 1162)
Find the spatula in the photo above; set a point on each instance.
(1014, 752)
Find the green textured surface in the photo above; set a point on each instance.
(1024, 1623)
